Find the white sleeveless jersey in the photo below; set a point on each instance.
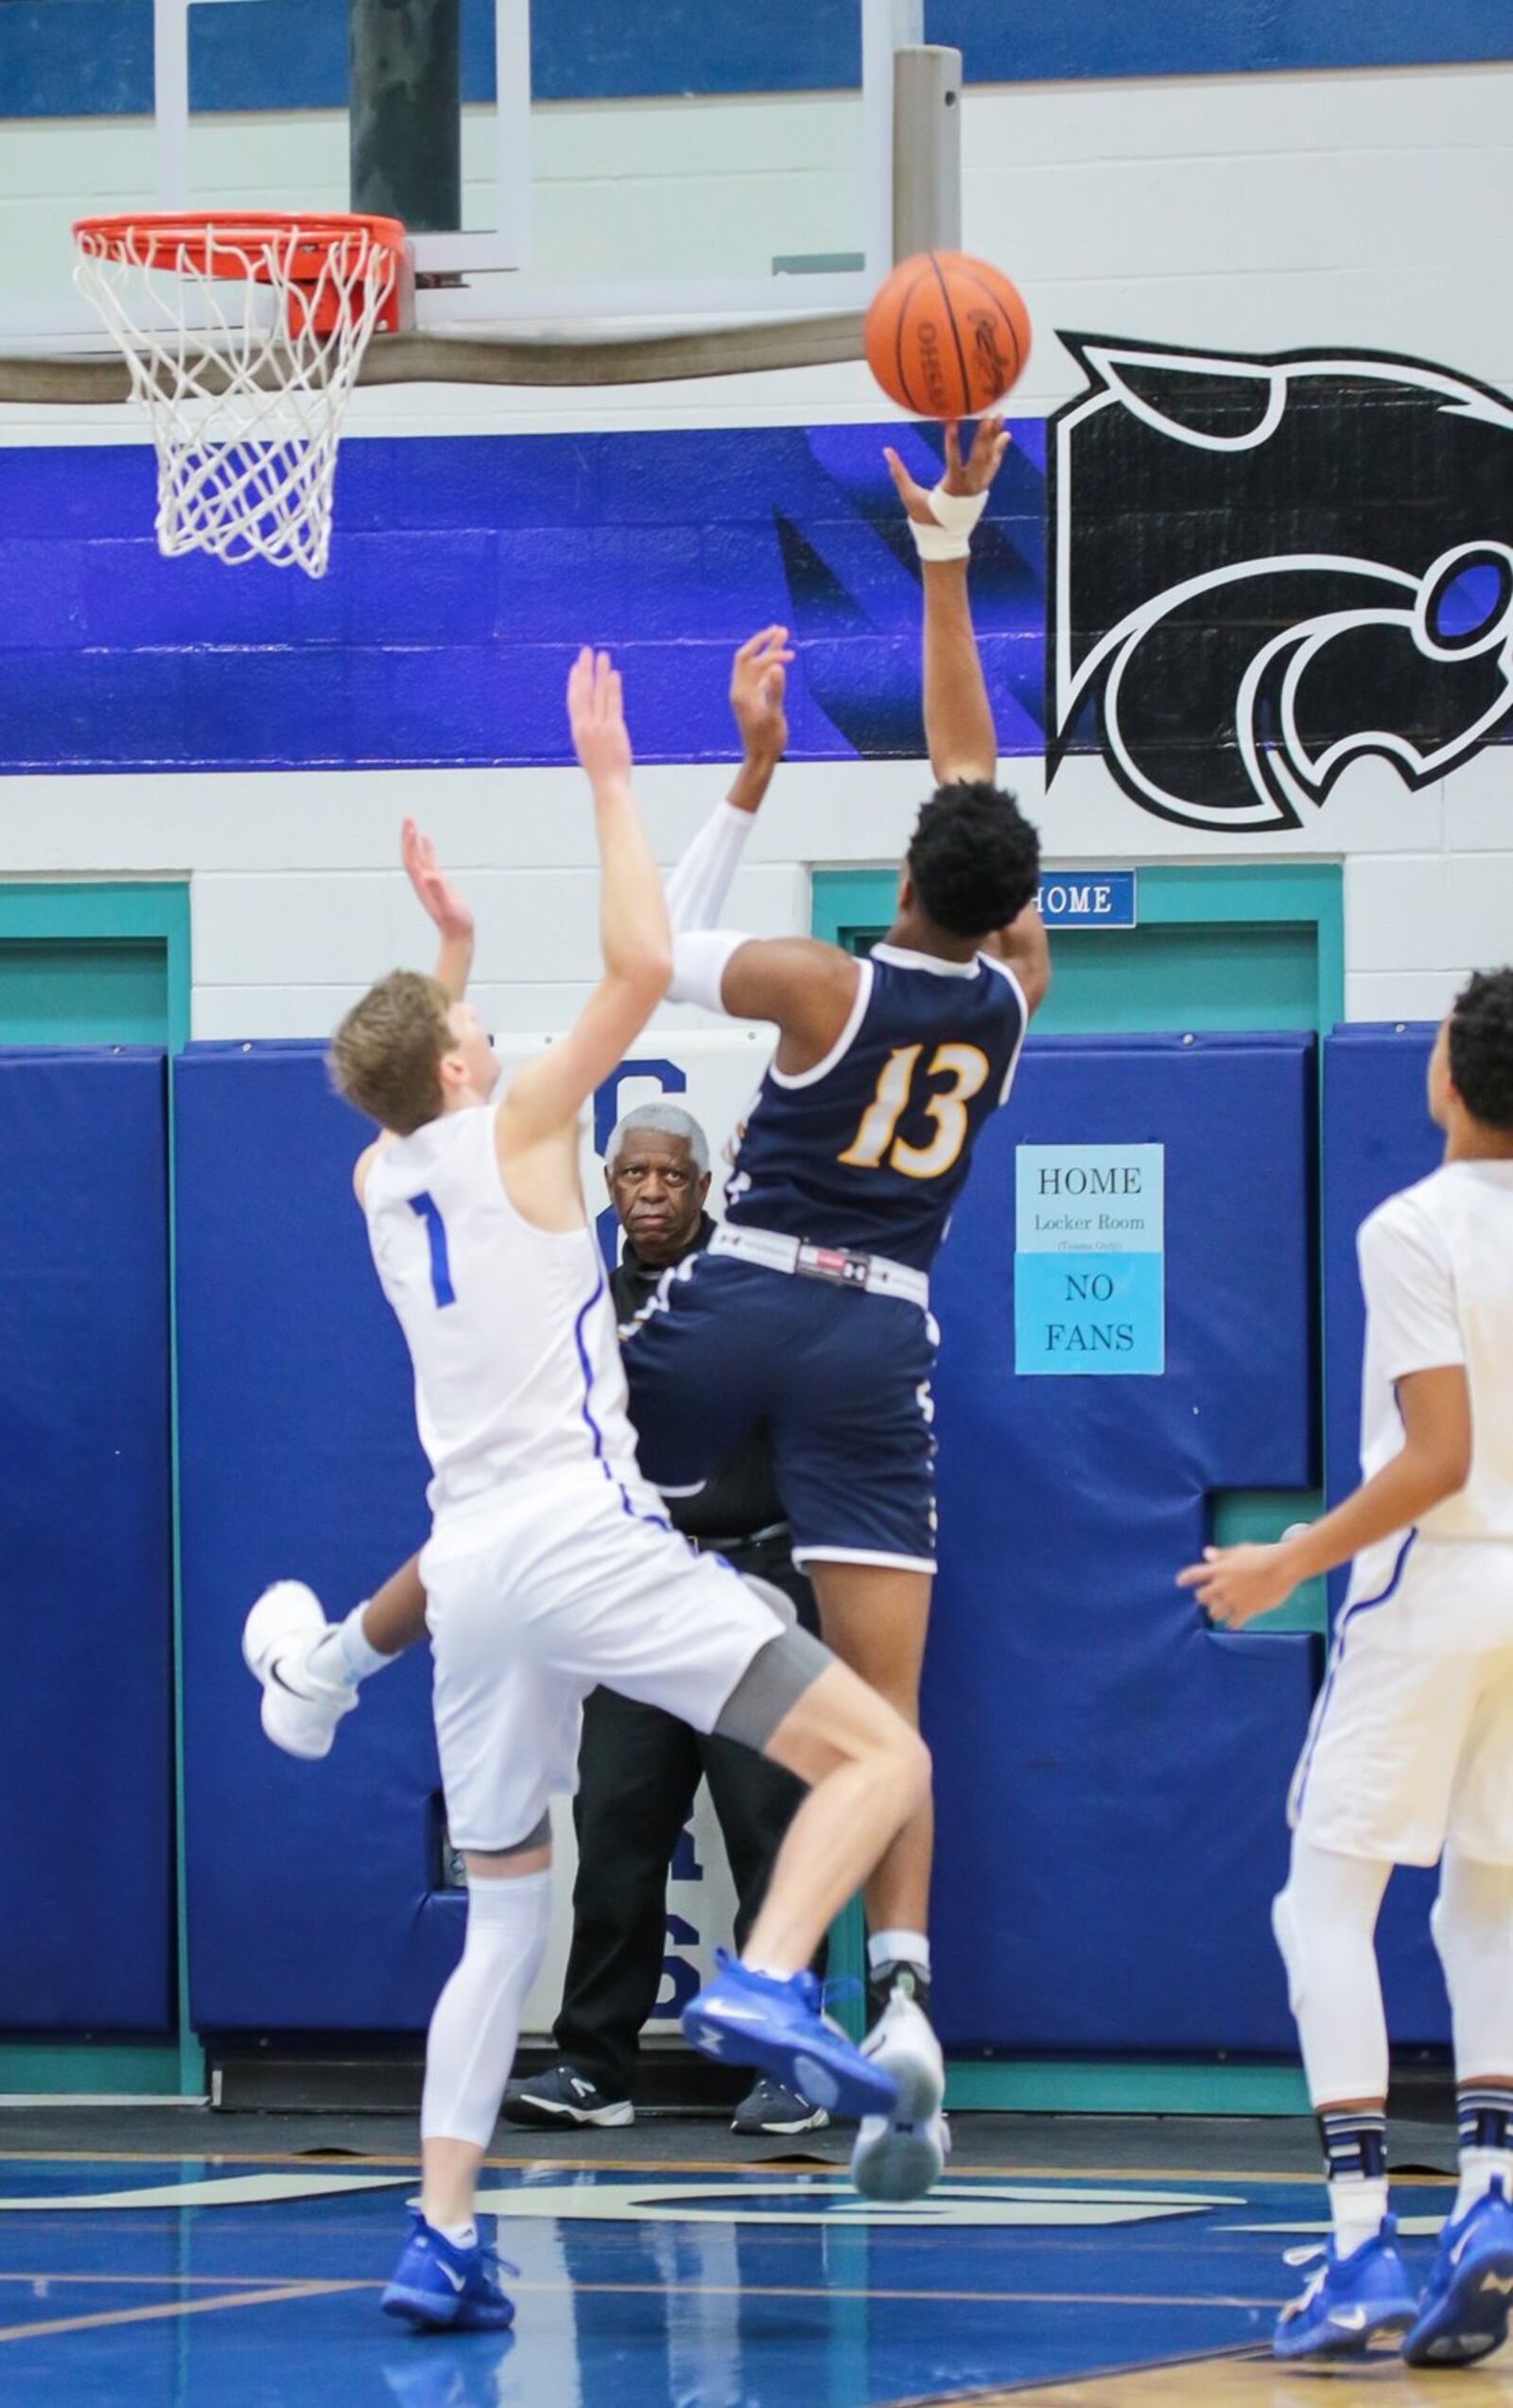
(1436, 1266)
(510, 1329)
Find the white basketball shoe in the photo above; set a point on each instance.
(897, 2157)
(300, 1709)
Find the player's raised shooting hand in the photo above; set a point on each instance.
(975, 474)
(758, 681)
(972, 475)
(438, 896)
(1235, 1584)
(596, 712)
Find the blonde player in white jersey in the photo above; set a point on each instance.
(551, 1567)
(1410, 1752)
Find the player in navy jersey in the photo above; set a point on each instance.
(809, 1310)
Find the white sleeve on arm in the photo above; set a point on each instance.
(698, 887)
(1410, 1292)
(699, 958)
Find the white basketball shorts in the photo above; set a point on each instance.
(1411, 1742)
(535, 1599)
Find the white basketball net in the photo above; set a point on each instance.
(244, 381)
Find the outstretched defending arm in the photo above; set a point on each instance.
(547, 1096)
(454, 964)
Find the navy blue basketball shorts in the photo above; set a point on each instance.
(840, 1379)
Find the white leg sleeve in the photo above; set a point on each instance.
(1472, 1923)
(1325, 1921)
(472, 2041)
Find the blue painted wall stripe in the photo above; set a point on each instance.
(85, 57)
(1082, 40)
(465, 572)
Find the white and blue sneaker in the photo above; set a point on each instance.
(898, 2155)
(300, 1711)
(1349, 2300)
(438, 2287)
(1463, 2314)
(754, 2018)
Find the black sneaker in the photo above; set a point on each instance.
(771, 2108)
(562, 2096)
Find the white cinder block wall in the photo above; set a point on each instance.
(1254, 214)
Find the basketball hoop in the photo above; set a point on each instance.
(243, 335)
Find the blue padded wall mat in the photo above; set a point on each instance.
(86, 1712)
(311, 1903)
(1378, 1137)
(1111, 1774)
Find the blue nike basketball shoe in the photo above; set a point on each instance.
(438, 2287)
(1463, 2315)
(754, 2018)
(1348, 2301)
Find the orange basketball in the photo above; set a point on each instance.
(947, 335)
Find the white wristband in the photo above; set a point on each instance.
(950, 537)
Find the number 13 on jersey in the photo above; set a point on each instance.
(966, 1066)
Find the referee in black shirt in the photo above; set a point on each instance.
(638, 1768)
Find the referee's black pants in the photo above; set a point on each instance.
(637, 1771)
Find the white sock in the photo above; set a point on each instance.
(1478, 2168)
(898, 1947)
(461, 2236)
(470, 2044)
(1357, 2205)
(344, 1654)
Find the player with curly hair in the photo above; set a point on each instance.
(1409, 1758)
(809, 1311)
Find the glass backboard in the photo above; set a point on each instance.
(622, 158)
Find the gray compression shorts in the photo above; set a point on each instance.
(770, 1685)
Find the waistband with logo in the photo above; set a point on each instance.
(869, 1275)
